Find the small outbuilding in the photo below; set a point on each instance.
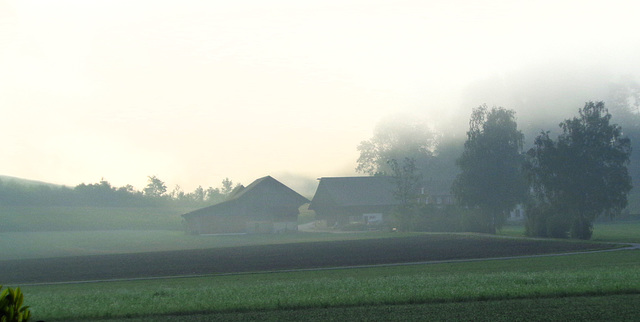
(264, 206)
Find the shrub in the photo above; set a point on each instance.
(11, 309)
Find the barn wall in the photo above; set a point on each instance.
(215, 225)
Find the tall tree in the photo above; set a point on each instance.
(214, 195)
(407, 181)
(155, 187)
(624, 106)
(177, 193)
(227, 186)
(396, 138)
(491, 178)
(198, 194)
(580, 176)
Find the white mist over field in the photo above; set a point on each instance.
(196, 91)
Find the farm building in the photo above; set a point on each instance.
(264, 206)
(342, 200)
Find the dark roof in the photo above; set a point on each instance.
(355, 191)
(241, 193)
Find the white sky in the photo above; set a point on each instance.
(196, 91)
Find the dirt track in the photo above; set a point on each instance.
(275, 257)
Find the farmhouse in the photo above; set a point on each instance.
(342, 200)
(264, 206)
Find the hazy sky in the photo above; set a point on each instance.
(195, 91)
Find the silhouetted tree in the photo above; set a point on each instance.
(580, 176)
(227, 186)
(491, 178)
(155, 187)
(214, 195)
(396, 139)
(198, 194)
(407, 181)
(177, 193)
(624, 105)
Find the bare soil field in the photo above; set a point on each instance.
(278, 257)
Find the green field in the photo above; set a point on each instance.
(598, 274)
(574, 287)
(42, 219)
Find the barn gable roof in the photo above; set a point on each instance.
(355, 191)
(277, 191)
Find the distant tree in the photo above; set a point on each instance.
(177, 193)
(624, 105)
(407, 181)
(227, 186)
(155, 187)
(580, 176)
(214, 195)
(128, 189)
(491, 178)
(96, 194)
(396, 139)
(198, 194)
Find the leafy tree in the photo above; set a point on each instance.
(407, 181)
(198, 194)
(214, 195)
(624, 105)
(396, 139)
(227, 186)
(177, 193)
(491, 178)
(127, 189)
(580, 176)
(155, 187)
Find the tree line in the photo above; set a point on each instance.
(565, 183)
(103, 193)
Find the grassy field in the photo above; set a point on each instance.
(43, 219)
(592, 308)
(575, 287)
(587, 275)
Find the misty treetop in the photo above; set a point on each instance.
(491, 178)
(397, 138)
(580, 176)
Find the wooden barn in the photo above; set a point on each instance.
(264, 206)
(369, 200)
(341, 200)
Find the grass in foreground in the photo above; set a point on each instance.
(613, 273)
(582, 308)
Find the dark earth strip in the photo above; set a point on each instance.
(277, 257)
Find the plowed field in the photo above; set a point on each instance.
(277, 257)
